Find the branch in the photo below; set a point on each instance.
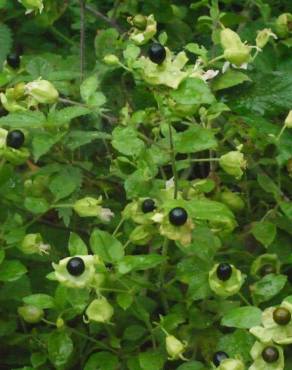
(106, 19)
(82, 38)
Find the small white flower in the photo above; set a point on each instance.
(169, 183)
(106, 214)
(208, 75)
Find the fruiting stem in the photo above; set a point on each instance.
(59, 34)
(244, 299)
(216, 59)
(206, 160)
(118, 226)
(98, 14)
(281, 132)
(173, 164)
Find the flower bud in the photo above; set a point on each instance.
(263, 37)
(42, 91)
(139, 21)
(87, 207)
(30, 314)
(99, 310)
(232, 200)
(233, 163)
(288, 120)
(283, 25)
(111, 60)
(174, 347)
(235, 51)
(32, 5)
(59, 323)
(33, 243)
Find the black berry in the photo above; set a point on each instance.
(224, 271)
(270, 354)
(218, 357)
(15, 139)
(178, 216)
(281, 316)
(157, 53)
(13, 60)
(148, 205)
(267, 269)
(76, 266)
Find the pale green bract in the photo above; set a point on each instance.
(91, 207)
(174, 347)
(141, 37)
(84, 280)
(270, 330)
(231, 364)
(32, 5)
(134, 211)
(259, 363)
(262, 260)
(226, 288)
(170, 73)
(3, 135)
(99, 310)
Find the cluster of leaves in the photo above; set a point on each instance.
(205, 131)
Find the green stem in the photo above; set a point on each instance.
(118, 227)
(244, 299)
(161, 277)
(216, 59)
(281, 132)
(205, 160)
(61, 36)
(173, 164)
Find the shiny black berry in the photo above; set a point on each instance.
(267, 269)
(76, 266)
(270, 354)
(281, 316)
(13, 60)
(15, 139)
(157, 53)
(148, 205)
(218, 357)
(224, 271)
(178, 216)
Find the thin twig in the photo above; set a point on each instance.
(98, 14)
(82, 38)
(173, 164)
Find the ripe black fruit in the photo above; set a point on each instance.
(224, 271)
(13, 60)
(281, 316)
(148, 205)
(218, 357)
(157, 53)
(15, 139)
(76, 266)
(178, 216)
(270, 354)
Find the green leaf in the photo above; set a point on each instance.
(192, 365)
(43, 141)
(65, 115)
(106, 42)
(106, 246)
(36, 205)
(5, 42)
(102, 361)
(60, 347)
(27, 119)
(126, 141)
(124, 300)
(265, 232)
(229, 79)
(65, 182)
(76, 245)
(193, 140)
(268, 185)
(286, 207)
(37, 359)
(11, 270)
(204, 244)
(88, 87)
(134, 332)
(153, 360)
(77, 138)
(237, 343)
(242, 317)
(7, 327)
(40, 300)
(193, 91)
(140, 262)
(266, 288)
